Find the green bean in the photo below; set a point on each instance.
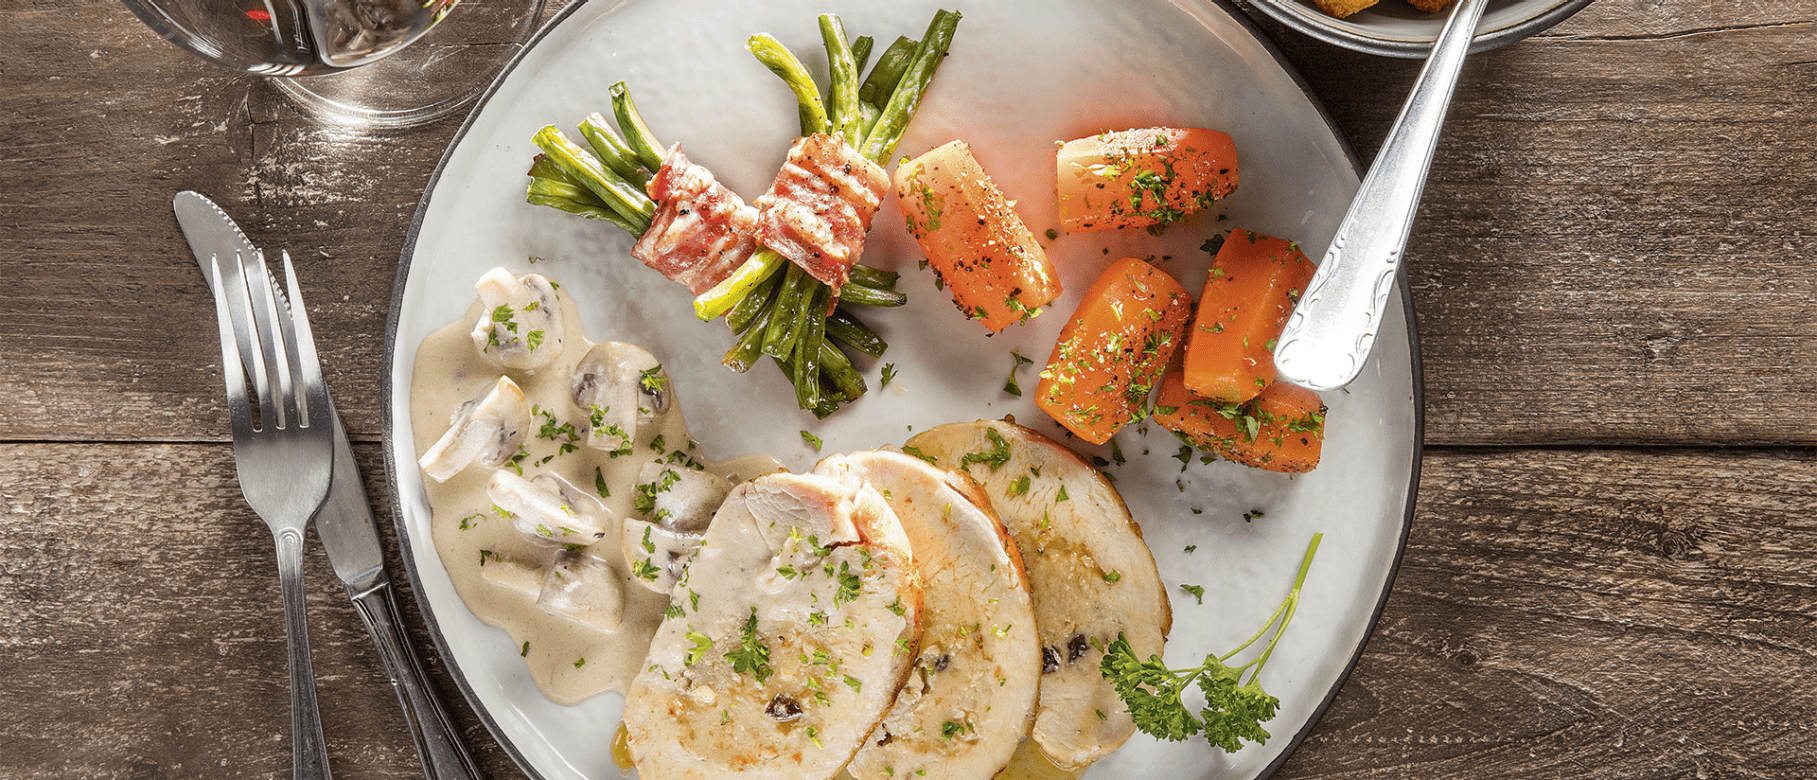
(838, 370)
(827, 405)
(573, 199)
(846, 329)
(860, 295)
(881, 143)
(637, 134)
(581, 165)
(759, 268)
(890, 65)
(807, 350)
(861, 52)
(784, 327)
(612, 151)
(875, 278)
(843, 118)
(784, 63)
(759, 300)
(749, 346)
(542, 167)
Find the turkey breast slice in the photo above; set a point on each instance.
(1091, 574)
(971, 694)
(786, 638)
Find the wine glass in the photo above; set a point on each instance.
(355, 62)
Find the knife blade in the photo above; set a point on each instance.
(348, 531)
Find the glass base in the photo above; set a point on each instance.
(439, 74)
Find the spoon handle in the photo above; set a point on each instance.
(1329, 336)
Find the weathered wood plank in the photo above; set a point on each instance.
(143, 633)
(1614, 248)
(1616, 613)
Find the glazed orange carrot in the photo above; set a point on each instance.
(979, 248)
(1254, 283)
(1114, 349)
(1282, 429)
(1141, 178)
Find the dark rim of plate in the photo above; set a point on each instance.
(1313, 22)
(390, 433)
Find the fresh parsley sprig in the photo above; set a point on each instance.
(1234, 709)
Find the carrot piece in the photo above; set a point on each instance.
(1114, 349)
(979, 248)
(1282, 429)
(1141, 178)
(1254, 283)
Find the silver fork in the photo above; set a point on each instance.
(285, 461)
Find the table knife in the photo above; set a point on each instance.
(349, 535)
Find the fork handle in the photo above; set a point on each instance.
(309, 753)
(437, 745)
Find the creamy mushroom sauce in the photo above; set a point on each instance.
(568, 660)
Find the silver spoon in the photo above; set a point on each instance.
(1328, 338)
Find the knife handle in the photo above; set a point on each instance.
(437, 745)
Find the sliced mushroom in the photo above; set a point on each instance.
(489, 430)
(521, 326)
(620, 386)
(512, 574)
(1091, 575)
(583, 589)
(549, 509)
(657, 554)
(678, 497)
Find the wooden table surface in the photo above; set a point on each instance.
(1612, 571)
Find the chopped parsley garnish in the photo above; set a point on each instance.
(702, 643)
(889, 373)
(995, 457)
(645, 570)
(850, 585)
(652, 379)
(811, 439)
(751, 656)
(907, 450)
(1010, 386)
(1197, 591)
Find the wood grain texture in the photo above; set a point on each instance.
(1626, 613)
(1610, 573)
(1616, 242)
(142, 633)
(1614, 246)
(1622, 613)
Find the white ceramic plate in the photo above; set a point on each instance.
(1022, 74)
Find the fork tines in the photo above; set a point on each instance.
(270, 340)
